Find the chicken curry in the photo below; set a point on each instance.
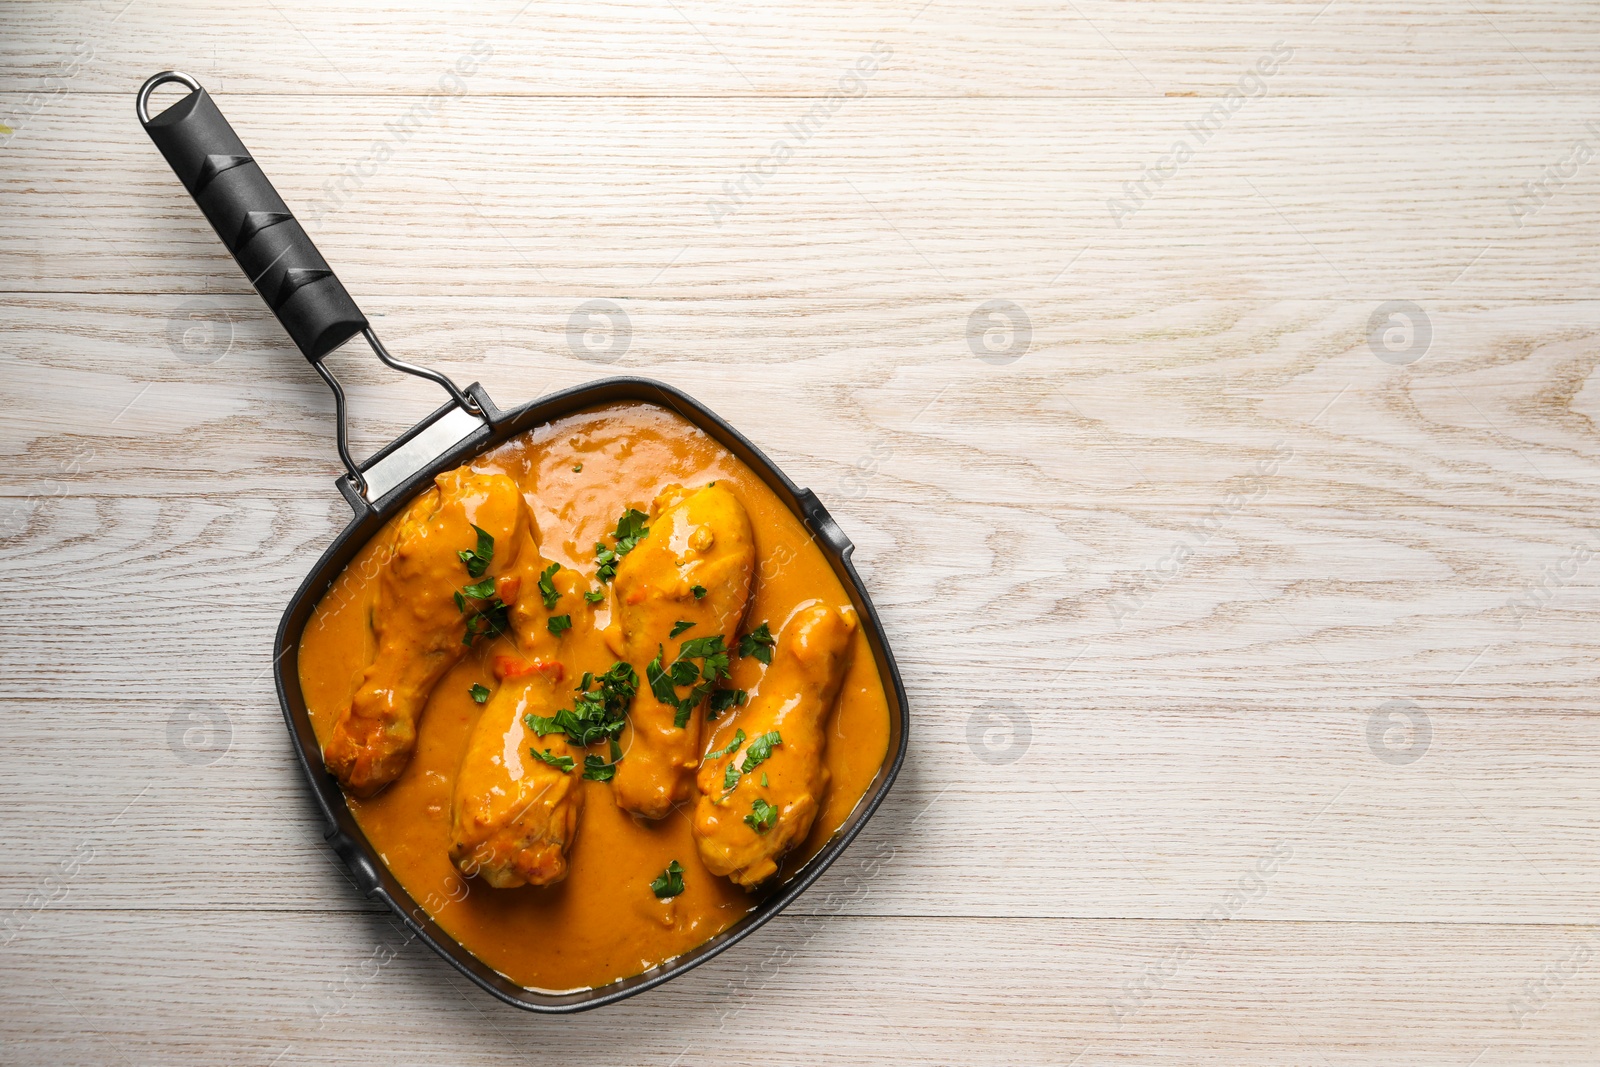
(591, 694)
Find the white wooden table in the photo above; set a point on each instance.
(1248, 615)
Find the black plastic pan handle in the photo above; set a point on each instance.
(255, 225)
(273, 251)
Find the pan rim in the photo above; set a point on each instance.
(344, 835)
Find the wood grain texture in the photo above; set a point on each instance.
(695, 47)
(1252, 662)
(1249, 993)
(1306, 197)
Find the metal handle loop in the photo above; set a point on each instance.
(141, 103)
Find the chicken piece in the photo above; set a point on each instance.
(514, 814)
(417, 622)
(761, 793)
(698, 540)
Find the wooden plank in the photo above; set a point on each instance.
(902, 201)
(1112, 403)
(304, 989)
(690, 47)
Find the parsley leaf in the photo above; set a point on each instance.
(665, 680)
(683, 672)
(493, 619)
(660, 684)
(596, 769)
(699, 592)
(670, 882)
(541, 725)
(764, 782)
(479, 692)
(680, 626)
(762, 816)
(478, 559)
(696, 647)
(631, 529)
(558, 624)
(481, 590)
(759, 750)
(758, 643)
(607, 560)
(729, 748)
(594, 596)
(594, 716)
(564, 764)
(712, 654)
(547, 588)
(723, 699)
(491, 616)
(577, 468)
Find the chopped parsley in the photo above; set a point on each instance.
(631, 529)
(710, 651)
(479, 692)
(760, 749)
(723, 699)
(547, 588)
(477, 560)
(487, 614)
(680, 626)
(594, 596)
(756, 754)
(758, 643)
(670, 883)
(577, 468)
(564, 764)
(491, 622)
(558, 624)
(594, 716)
(661, 682)
(665, 680)
(596, 769)
(481, 590)
(699, 592)
(762, 816)
(729, 748)
(764, 782)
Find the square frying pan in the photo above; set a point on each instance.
(278, 257)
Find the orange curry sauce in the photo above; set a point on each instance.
(602, 923)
